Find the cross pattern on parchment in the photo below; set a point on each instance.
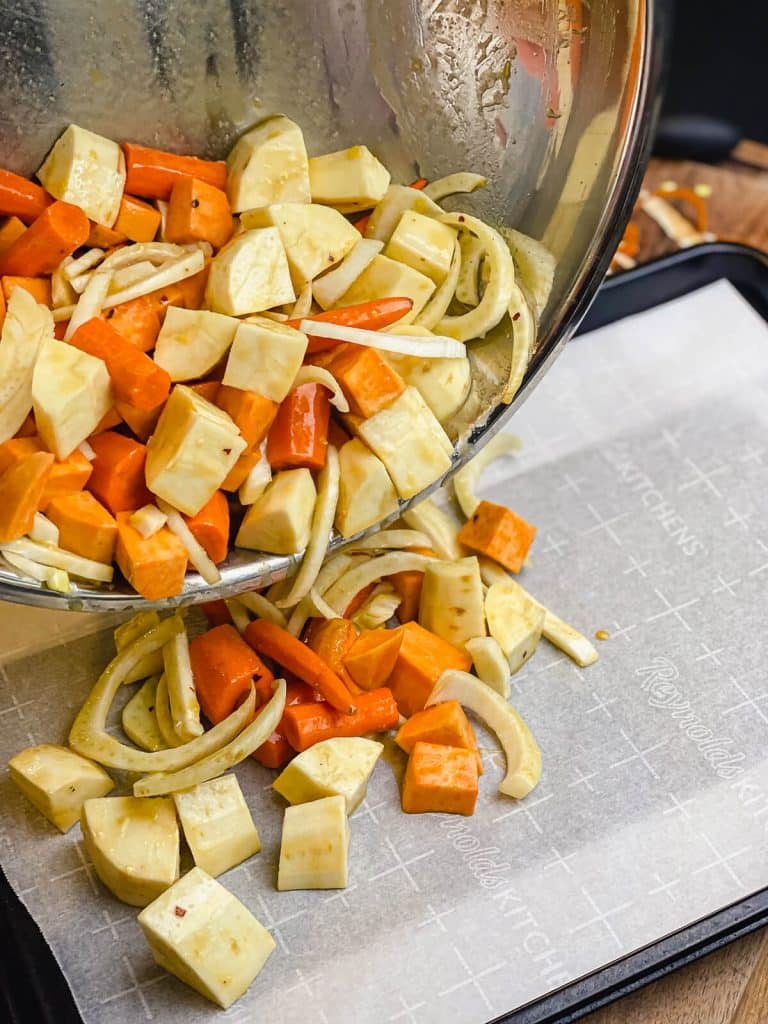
(473, 978)
(408, 1011)
(582, 780)
(670, 609)
(601, 916)
(601, 704)
(722, 860)
(436, 917)
(605, 524)
(85, 866)
(560, 861)
(635, 566)
(747, 702)
(709, 653)
(667, 888)
(678, 806)
(702, 477)
(137, 987)
(639, 755)
(401, 865)
(738, 518)
(526, 808)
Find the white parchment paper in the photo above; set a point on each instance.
(646, 470)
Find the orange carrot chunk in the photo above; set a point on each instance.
(154, 566)
(152, 173)
(372, 657)
(118, 473)
(142, 422)
(198, 212)
(55, 234)
(370, 316)
(299, 435)
(216, 612)
(252, 413)
(331, 640)
(22, 198)
(306, 724)
(136, 379)
(85, 526)
(441, 779)
(368, 382)
(421, 660)
(497, 532)
(207, 389)
(137, 220)
(102, 237)
(210, 527)
(235, 478)
(38, 287)
(67, 476)
(10, 231)
(138, 321)
(21, 488)
(444, 723)
(408, 585)
(278, 644)
(189, 293)
(224, 667)
(18, 448)
(276, 752)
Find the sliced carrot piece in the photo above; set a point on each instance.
(152, 173)
(38, 287)
(421, 660)
(101, 237)
(306, 724)
(371, 316)
(198, 212)
(9, 232)
(497, 532)
(276, 752)
(17, 448)
(372, 657)
(21, 488)
(235, 478)
(85, 526)
(224, 667)
(136, 379)
(408, 586)
(440, 779)
(252, 413)
(210, 527)
(298, 436)
(154, 566)
(208, 389)
(189, 293)
(138, 321)
(368, 382)
(142, 422)
(217, 613)
(118, 473)
(444, 723)
(56, 233)
(22, 198)
(137, 220)
(68, 476)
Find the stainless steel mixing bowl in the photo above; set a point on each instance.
(551, 99)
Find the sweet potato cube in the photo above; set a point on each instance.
(497, 532)
(85, 526)
(154, 566)
(372, 657)
(441, 779)
(421, 660)
(368, 382)
(21, 488)
(445, 724)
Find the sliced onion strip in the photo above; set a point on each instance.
(262, 607)
(437, 307)
(319, 375)
(452, 184)
(465, 480)
(356, 579)
(58, 558)
(329, 288)
(389, 539)
(523, 341)
(90, 303)
(437, 347)
(198, 556)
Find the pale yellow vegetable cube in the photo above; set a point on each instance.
(452, 601)
(192, 341)
(424, 244)
(217, 824)
(409, 441)
(314, 237)
(268, 165)
(87, 170)
(444, 384)
(265, 357)
(366, 493)
(203, 935)
(71, 394)
(280, 520)
(384, 278)
(340, 766)
(350, 179)
(139, 719)
(194, 446)
(250, 274)
(57, 781)
(133, 843)
(515, 621)
(314, 847)
(397, 200)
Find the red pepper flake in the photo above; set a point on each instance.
(461, 219)
(516, 316)
(179, 911)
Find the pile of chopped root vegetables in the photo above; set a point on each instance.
(201, 354)
(399, 635)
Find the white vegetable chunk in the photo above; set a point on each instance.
(490, 664)
(57, 781)
(515, 621)
(314, 847)
(217, 824)
(265, 357)
(203, 935)
(268, 165)
(337, 767)
(423, 243)
(366, 492)
(350, 179)
(26, 325)
(250, 274)
(443, 383)
(192, 341)
(397, 200)
(139, 719)
(452, 603)
(133, 844)
(387, 278)
(88, 170)
(280, 521)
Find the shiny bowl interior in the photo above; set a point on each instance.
(552, 100)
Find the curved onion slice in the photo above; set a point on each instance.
(535, 266)
(436, 347)
(242, 746)
(490, 663)
(465, 480)
(262, 607)
(524, 338)
(521, 750)
(25, 326)
(354, 580)
(198, 556)
(385, 539)
(181, 687)
(90, 738)
(54, 579)
(471, 255)
(90, 303)
(451, 184)
(152, 252)
(303, 304)
(319, 375)
(329, 288)
(443, 534)
(379, 608)
(240, 617)
(320, 535)
(320, 606)
(168, 274)
(70, 269)
(163, 714)
(333, 569)
(437, 307)
(58, 558)
(478, 321)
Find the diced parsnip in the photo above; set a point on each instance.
(490, 663)
(250, 274)
(217, 824)
(148, 520)
(409, 441)
(255, 483)
(397, 200)
(443, 383)
(185, 709)
(314, 237)
(202, 934)
(194, 446)
(71, 393)
(192, 341)
(515, 621)
(268, 164)
(423, 243)
(133, 844)
(452, 601)
(44, 531)
(26, 325)
(366, 493)
(386, 278)
(314, 847)
(139, 720)
(87, 170)
(280, 521)
(337, 767)
(349, 179)
(57, 781)
(265, 357)
(328, 289)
